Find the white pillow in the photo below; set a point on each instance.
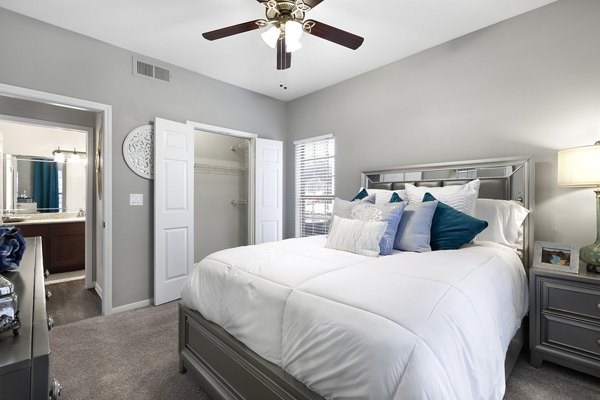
(461, 197)
(383, 196)
(356, 236)
(504, 217)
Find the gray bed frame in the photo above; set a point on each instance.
(227, 369)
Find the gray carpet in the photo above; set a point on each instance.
(133, 355)
(71, 301)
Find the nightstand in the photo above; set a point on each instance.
(564, 319)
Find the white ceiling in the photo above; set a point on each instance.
(171, 31)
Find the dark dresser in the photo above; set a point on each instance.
(24, 359)
(564, 315)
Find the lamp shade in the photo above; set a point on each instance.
(579, 166)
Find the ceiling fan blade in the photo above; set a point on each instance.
(313, 3)
(284, 59)
(232, 30)
(333, 34)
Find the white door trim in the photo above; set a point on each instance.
(89, 181)
(223, 131)
(106, 110)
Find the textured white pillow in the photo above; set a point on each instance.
(343, 208)
(356, 236)
(505, 218)
(461, 197)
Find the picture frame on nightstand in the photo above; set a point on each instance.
(556, 256)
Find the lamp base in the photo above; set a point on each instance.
(593, 268)
(591, 256)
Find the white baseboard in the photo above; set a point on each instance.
(132, 306)
(98, 289)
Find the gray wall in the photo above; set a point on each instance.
(43, 57)
(526, 86)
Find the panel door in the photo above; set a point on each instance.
(268, 190)
(173, 208)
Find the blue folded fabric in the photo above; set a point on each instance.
(12, 247)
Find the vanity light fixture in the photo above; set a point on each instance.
(75, 156)
(59, 157)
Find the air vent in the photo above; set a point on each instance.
(162, 74)
(146, 70)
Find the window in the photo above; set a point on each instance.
(315, 185)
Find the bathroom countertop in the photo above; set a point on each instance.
(45, 221)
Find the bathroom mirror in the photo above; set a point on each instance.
(40, 185)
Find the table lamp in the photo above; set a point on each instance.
(580, 167)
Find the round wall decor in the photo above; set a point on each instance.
(138, 151)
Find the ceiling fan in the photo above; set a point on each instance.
(288, 24)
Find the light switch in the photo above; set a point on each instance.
(136, 199)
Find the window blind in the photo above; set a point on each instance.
(315, 185)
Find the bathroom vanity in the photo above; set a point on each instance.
(63, 241)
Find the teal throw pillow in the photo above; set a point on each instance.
(451, 228)
(395, 198)
(360, 195)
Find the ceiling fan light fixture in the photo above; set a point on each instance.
(291, 47)
(271, 36)
(293, 33)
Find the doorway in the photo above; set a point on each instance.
(98, 215)
(44, 186)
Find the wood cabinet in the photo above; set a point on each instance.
(565, 319)
(63, 244)
(24, 359)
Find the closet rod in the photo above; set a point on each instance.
(219, 167)
(241, 146)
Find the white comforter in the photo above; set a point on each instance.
(406, 326)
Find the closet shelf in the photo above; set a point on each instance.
(237, 202)
(219, 169)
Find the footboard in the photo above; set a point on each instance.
(229, 370)
(226, 368)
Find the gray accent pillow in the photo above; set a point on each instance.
(414, 230)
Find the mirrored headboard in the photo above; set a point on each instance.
(501, 178)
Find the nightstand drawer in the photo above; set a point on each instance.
(571, 334)
(576, 299)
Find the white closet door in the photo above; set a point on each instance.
(173, 208)
(268, 190)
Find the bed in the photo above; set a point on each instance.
(254, 325)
